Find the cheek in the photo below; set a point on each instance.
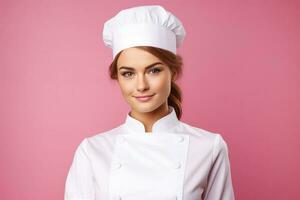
(125, 87)
(162, 85)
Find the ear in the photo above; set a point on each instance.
(174, 76)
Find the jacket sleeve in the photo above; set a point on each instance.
(219, 184)
(79, 184)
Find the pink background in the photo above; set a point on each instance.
(241, 79)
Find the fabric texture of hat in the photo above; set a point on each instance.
(143, 26)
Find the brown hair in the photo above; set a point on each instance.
(173, 61)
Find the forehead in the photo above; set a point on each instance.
(136, 58)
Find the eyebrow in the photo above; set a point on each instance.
(149, 66)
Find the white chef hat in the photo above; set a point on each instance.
(143, 26)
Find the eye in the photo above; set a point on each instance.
(126, 74)
(155, 70)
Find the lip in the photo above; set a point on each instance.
(144, 98)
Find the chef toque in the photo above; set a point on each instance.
(143, 26)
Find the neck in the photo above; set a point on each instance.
(149, 118)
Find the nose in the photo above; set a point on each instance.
(142, 83)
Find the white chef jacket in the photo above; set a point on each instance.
(175, 162)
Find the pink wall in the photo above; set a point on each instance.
(241, 79)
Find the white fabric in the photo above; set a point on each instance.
(175, 162)
(143, 26)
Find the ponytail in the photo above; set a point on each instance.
(175, 99)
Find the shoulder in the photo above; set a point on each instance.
(198, 133)
(101, 139)
(205, 137)
(106, 134)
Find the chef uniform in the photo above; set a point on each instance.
(176, 161)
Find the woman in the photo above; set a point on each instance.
(152, 155)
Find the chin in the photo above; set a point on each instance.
(145, 108)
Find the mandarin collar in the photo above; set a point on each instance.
(163, 124)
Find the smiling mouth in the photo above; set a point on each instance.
(144, 98)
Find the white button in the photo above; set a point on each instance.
(176, 165)
(117, 165)
(180, 139)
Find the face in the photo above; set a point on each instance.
(142, 74)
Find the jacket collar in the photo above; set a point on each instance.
(164, 124)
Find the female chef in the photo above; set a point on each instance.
(152, 155)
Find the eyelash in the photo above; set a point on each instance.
(156, 69)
